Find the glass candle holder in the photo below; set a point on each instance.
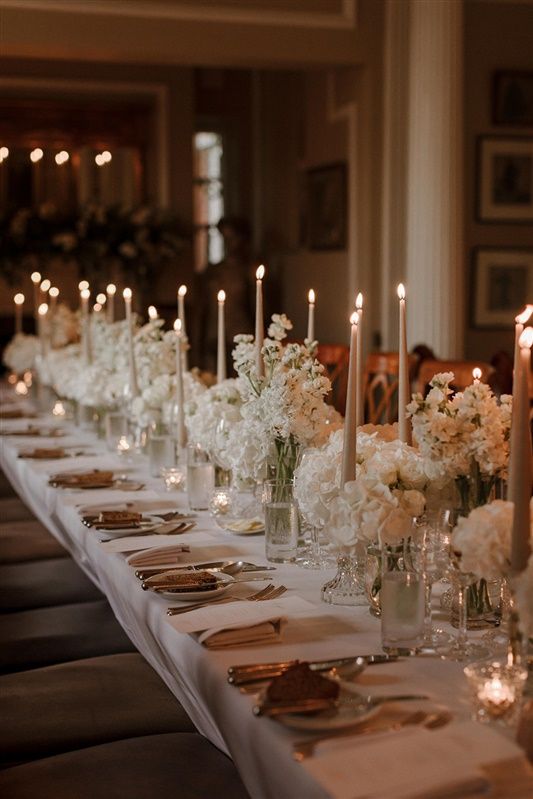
(173, 478)
(126, 447)
(496, 690)
(221, 502)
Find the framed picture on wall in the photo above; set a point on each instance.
(326, 207)
(505, 179)
(502, 285)
(512, 98)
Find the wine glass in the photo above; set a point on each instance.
(312, 555)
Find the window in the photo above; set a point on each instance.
(208, 198)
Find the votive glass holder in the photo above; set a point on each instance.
(174, 478)
(496, 691)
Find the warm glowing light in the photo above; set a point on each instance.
(35, 277)
(177, 325)
(98, 159)
(522, 318)
(476, 373)
(36, 155)
(21, 388)
(54, 291)
(45, 285)
(182, 291)
(106, 155)
(311, 296)
(85, 294)
(354, 318)
(127, 294)
(43, 309)
(221, 296)
(111, 289)
(83, 284)
(18, 299)
(28, 378)
(101, 298)
(359, 302)
(152, 312)
(97, 307)
(260, 273)
(526, 339)
(4, 152)
(401, 291)
(61, 157)
(12, 379)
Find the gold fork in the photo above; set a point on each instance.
(270, 592)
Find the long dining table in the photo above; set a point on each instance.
(261, 747)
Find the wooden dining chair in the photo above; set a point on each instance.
(335, 358)
(381, 387)
(462, 371)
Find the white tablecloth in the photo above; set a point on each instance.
(260, 747)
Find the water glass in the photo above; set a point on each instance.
(116, 426)
(281, 521)
(200, 477)
(161, 453)
(402, 611)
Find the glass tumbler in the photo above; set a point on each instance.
(200, 477)
(116, 426)
(161, 453)
(281, 521)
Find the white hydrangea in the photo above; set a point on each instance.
(21, 352)
(207, 409)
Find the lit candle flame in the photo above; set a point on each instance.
(526, 339)
(101, 298)
(311, 297)
(45, 285)
(354, 318)
(152, 312)
(401, 291)
(43, 309)
(359, 302)
(221, 296)
(85, 294)
(476, 373)
(35, 277)
(18, 299)
(54, 291)
(522, 318)
(83, 284)
(97, 307)
(127, 294)
(111, 289)
(182, 291)
(177, 325)
(260, 272)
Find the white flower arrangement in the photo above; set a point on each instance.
(21, 352)
(207, 409)
(284, 410)
(387, 493)
(466, 430)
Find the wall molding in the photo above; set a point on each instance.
(158, 92)
(344, 19)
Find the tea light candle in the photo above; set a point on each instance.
(496, 690)
(58, 409)
(220, 502)
(124, 445)
(173, 477)
(496, 697)
(21, 388)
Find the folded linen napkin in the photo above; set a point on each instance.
(239, 614)
(265, 632)
(155, 556)
(420, 764)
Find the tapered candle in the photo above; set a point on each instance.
(359, 382)
(86, 347)
(520, 457)
(404, 425)
(111, 290)
(182, 291)
(83, 284)
(476, 375)
(152, 313)
(45, 288)
(259, 322)
(221, 341)
(349, 452)
(180, 394)
(520, 321)
(54, 294)
(18, 299)
(311, 315)
(42, 313)
(36, 279)
(134, 386)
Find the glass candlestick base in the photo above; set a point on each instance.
(345, 588)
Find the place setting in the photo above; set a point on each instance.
(83, 480)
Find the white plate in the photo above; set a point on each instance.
(238, 527)
(148, 524)
(195, 596)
